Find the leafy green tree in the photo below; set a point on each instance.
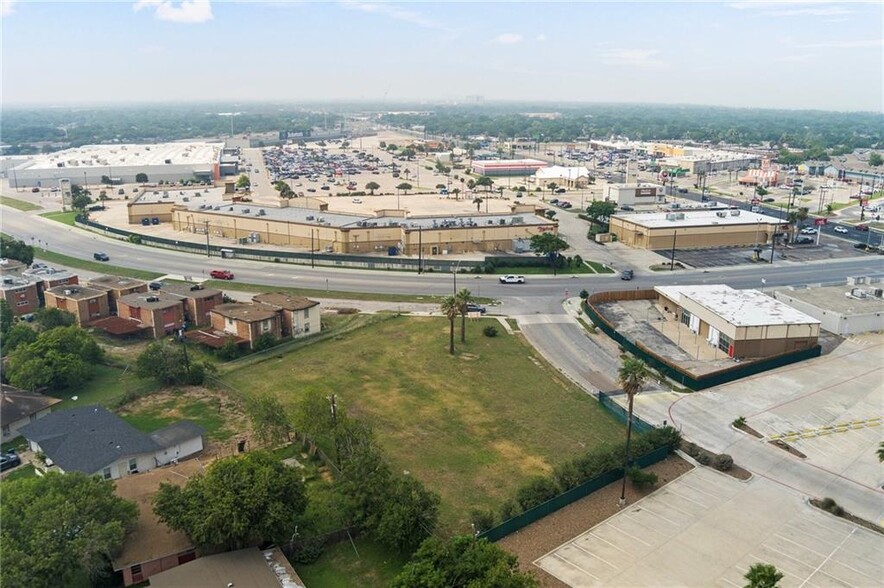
(485, 182)
(81, 201)
(372, 186)
(59, 524)
(141, 178)
(168, 364)
(265, 341)
(270, 420)
(20, 334)
(243, 182)
(462, 562)
(239, 501)
(409, 514)
(761, 191)
(450, 309)
(601, 209)
(549, 244)
(312, 415)
(52, 318)
(6, 320)
(762, 575)
(632, 375)
(478, 203)
(404, 186)
(105, 180)
(14, 249)
(382, 144)
(881, 451)
(875, 159)
(58, 358)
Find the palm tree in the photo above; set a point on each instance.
(450, 309)
(762, 575)
(464, 298)
(632, 375)
(881, 451)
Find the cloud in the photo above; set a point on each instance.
(151, 49)
(7, 7)
(395, 12)
(846, 44)
(507, 39)
(644, 58)
(187, 11)
(803, 58)
(540, 38)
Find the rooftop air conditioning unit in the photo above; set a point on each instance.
(670, 216)
(721, 214)
(152, 299)
(735, 212)
(679, 216)
(246, 210)
(878, 293)
(68, 292)
(858, 293)
(261, 212)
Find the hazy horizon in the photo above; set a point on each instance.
(774, 55)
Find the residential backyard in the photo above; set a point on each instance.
(472, 426)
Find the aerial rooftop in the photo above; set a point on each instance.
(698, 218)
(108, 156)
(839, 299)
(742, 308)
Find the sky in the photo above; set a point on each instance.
(788, 54)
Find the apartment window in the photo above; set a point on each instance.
(306, 326)
(265, 326)
(307, 314)
(229, 322)
(686, 318)
(724, 342)
(133, 466)
(22, 303)
(106, 473)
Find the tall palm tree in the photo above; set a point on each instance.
(632, 376)
(464, 298)
(450, 309)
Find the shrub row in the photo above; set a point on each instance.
(576, 471)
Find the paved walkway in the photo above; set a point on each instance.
(707, 529)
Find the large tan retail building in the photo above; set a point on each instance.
(349, 233)
(694, 229)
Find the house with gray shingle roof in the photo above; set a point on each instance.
(95, 441)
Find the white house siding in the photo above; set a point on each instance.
(306, 322)
(180, 451)
(120, 468)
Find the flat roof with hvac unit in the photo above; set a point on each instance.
(507, 167)
(694, 229)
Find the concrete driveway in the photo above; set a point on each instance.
(707, 529)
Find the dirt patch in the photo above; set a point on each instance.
(468, 356)
(786, 447)
(540, 538)
(747, 429)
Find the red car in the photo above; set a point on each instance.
(862, 228)
(221, 274)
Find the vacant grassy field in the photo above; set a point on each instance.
(18, 204)
(471, 426)
(95, 266)
(108, 385)
(150, 414)
(21, 472)
(543, 269)
(341, 567)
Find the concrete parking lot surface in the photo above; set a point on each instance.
(841, 387)
(707, 529)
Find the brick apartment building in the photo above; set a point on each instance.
(159, 313)
(87, 304)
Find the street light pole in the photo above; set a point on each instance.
(454, 275)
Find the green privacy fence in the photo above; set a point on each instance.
(562, 500)
(687, 379)
(638, 424)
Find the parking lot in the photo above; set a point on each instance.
(829, 248)
(707, 529)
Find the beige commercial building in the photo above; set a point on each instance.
(633, 194)
(741, 323)
(694, 229)
(304, 228)
(87, 304)
(844, 310)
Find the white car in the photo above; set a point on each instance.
(840, 229)
(511, 279)
(808, 231)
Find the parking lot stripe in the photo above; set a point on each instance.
(812, 392)
(806, 548)
(573, 565)
(602, 539)
(828, 557)
(616, 528)
(654, 514)
(601, 559)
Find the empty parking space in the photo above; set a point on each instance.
(707, 529)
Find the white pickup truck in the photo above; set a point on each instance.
(511, 279)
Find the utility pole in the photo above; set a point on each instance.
(672, 261)
(420, 249)
(334, 413)
(312, 249)
(208, 252)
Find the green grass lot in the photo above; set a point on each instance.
(66, 218)
(17, 443)
(95, 266)
(318, 293)
(472, 426)
(202, 411)
(108, 386)
(21, 472)
(341, 567)
(18, 204)
(588, 267)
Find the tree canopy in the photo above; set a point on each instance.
(601, 210)
(763, 575)
(168, 364)
(243, 181)
(462, 562)
(14, 249)
(239, 501)
(549, 245)
(58, 358)
(58, 524)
